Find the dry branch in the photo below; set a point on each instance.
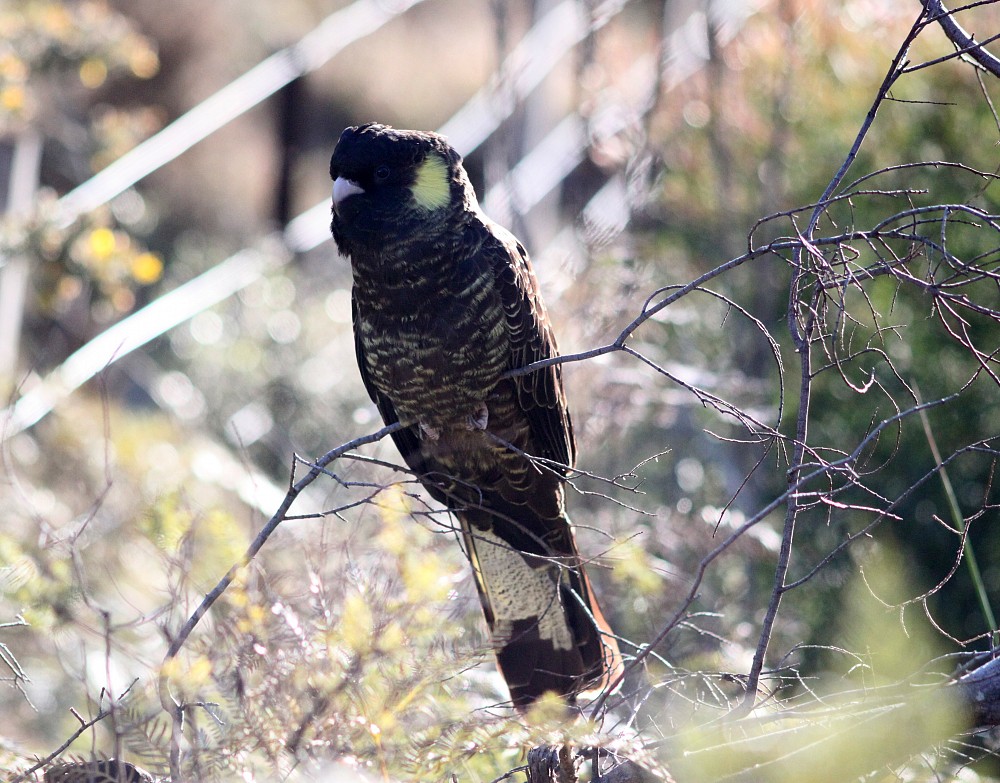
(981, 691)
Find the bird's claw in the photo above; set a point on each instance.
(479, 418)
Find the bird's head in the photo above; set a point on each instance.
(392, 185)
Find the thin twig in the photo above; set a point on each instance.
(802, 340)
(84, 726)
(169, 704)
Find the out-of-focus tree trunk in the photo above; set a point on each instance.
(18, 184)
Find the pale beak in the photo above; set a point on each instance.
(342, 188)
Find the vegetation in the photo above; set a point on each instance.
(773, 267)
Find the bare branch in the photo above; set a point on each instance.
(173, 708)
(965, 44)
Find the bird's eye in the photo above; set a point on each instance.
(382, 173)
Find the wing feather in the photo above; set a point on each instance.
(540, 394)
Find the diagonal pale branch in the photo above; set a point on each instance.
(321, 44)
(965, 43)
(317, 470)
(554, 34)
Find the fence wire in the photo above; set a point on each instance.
(542, 169)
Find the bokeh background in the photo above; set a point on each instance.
(175, 327)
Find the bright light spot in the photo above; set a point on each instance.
(93, 72)
(176, 391)
(696, 113)
(207, 327)
(102, 243)
(163, 465)
(245, 356)
(279, 292)
(12, 98)
(143, 62)
(147, 268)
(284, 326)
(206, 466)
(24, 449)
(690, 474)
(317, 375)
(129, 207)
(249, 424)
(338, 306)
(43, 502)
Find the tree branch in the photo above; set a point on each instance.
(169, 704)
(965, 44)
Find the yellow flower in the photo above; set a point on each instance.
(143, 62)
(93, 72)
(147, 268)
(12, 97)
(102, 243)
(56, 21)
(13, 67)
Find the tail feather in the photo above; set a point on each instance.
(547, 629)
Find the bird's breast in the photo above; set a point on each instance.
(435, 355)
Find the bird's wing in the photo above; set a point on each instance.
(540, 394)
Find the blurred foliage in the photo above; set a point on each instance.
(55, 58)
(42, 38)
(356, 638)
(855, 723)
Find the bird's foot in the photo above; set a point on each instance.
(428, 432)
(479, 418)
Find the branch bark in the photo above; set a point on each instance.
(981, 691)
(965, 43)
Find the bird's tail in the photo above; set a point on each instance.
(548, 631)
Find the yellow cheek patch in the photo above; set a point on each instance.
(432, 189)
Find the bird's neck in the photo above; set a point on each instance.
(403, 265)
(421, 264)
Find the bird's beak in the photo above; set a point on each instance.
(342, 188)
